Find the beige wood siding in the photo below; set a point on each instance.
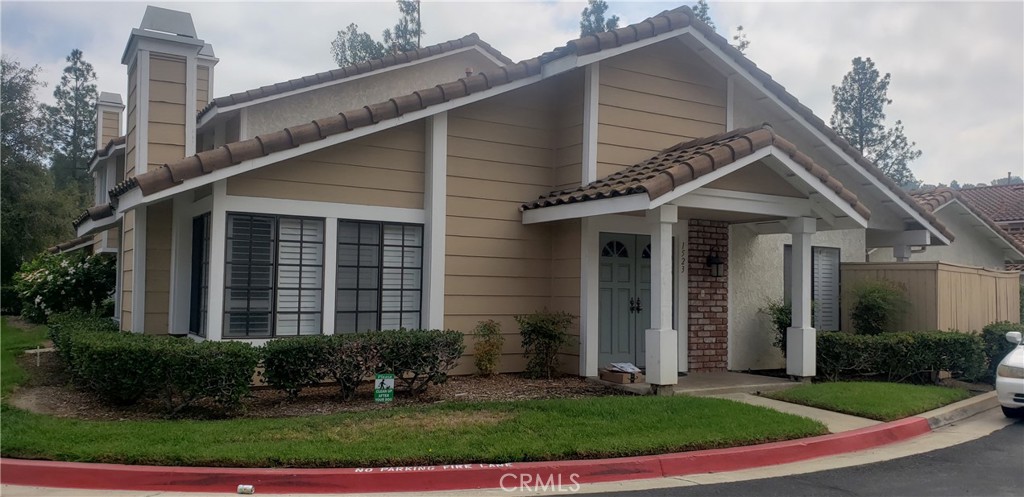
(202, 86)
(130, 154)
(383, 169)
(652, 98)
(111, 128)
(501, 153)
(127, 266)
(166, 130)
(158, 267)
(942, 296)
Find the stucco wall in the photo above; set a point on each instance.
(304, 107)
(755, 276)
(969, 247)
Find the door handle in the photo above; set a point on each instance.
(639, 305)
(635, 305)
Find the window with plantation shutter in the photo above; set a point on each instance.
(380, 276)
(274, 276)
(824, 285)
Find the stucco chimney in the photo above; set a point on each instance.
(163, 57)
(108, 118)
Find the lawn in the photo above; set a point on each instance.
(874, 400)
(14, 341)
(434, 434)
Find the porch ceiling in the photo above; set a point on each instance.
(743, 176)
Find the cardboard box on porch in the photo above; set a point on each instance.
(620, 377)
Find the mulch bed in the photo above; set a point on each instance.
(49, 391)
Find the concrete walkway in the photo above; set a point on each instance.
(836, 422)
(716, 383)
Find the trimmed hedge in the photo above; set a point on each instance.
(996, 346)
(417, 358)
(125, 368)
(900, 357)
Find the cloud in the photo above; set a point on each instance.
(957, 68)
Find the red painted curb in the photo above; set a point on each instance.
(565, 475)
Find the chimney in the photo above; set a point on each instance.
(163, 58)
(108, 118)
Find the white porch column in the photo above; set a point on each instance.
(435, 206)
(800, 337)
(661, 339)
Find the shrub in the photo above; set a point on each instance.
(996, 346)
(289, 364)
(125, 368)
(487, 348)
(544, 334)
(353, 357)
(53, 283)
(878, 305)
(417, 358)
(780, 315)
(900, 356)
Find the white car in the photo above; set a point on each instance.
(1010, 378)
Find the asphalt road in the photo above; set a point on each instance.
(989, 466)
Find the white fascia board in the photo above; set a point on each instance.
(103, 158)
(213, 112)
(128, 201)
(737, 68)
(984, 228)
(745, 202)
(89, 226)
(824, 191)
(589, 208)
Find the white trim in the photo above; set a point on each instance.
(613, 205)
(218, 259)
(817, 185)
(89, 226)
(892, 196)
(138, 323)
(983, 227)
(309, 208)
(142, 114)
(435, 207)
(191, 82)
(113, 154)
(130, 201)
(730, 102)
(216, 111)
(591, 101)
(681, 232)
(589, 301)
(736, 201)
(328, 307)
(692, 185)
(629, 47)
(243, 125)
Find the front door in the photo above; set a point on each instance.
(624, 298)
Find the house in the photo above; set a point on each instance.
(980, 239)
(629, 178)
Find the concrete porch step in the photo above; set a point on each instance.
(707, 384)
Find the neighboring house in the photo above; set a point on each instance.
(627, 178)
(980, 239)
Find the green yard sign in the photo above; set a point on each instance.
(384, 388)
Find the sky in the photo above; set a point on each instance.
(957, 68)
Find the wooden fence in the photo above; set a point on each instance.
(942, 296)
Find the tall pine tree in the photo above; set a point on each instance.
(352, 46)
(859, 117)
(592, 19)
(71, 124)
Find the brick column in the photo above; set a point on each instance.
(708, 318)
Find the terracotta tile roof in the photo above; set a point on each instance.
(103, 153)
(340, 73)
(934, 198)
(1014, 267)
(679, 18)
(95, 213)
(1002, 203)
(61, 247)
(687, 161)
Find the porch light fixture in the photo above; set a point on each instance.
(717, 265)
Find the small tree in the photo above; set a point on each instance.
(487, 349)
(71, 123)
(544, 333)
(878, 306)
(592, 19)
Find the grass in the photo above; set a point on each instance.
(488, 432)
(14, 341)
(874, 400)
